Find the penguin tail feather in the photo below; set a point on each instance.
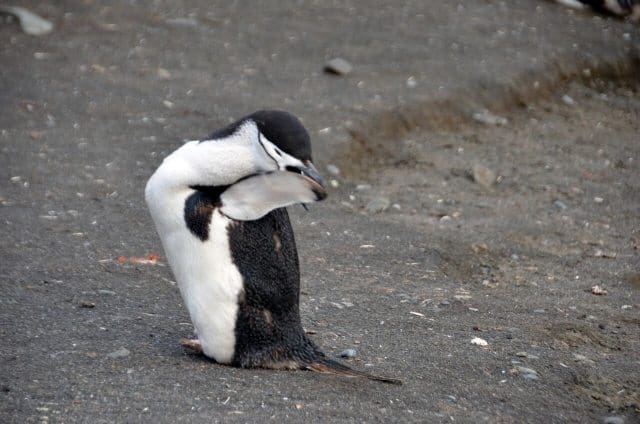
(329, 366)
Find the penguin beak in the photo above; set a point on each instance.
(311, 174)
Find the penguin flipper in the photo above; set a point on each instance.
(329, 366)
(256, 196)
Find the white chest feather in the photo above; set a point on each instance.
(208, 280)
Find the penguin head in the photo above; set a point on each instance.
(281, 172)
(280, 143)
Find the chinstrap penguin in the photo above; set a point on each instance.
(219, 208)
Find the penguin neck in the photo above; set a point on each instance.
(213, 162)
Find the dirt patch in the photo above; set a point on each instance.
(370, 141)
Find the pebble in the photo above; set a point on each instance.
(567, 100)
(599, 291)
(186, 22)
(598, 199)
(613, 420)
(120, 353)
(488, 118)
(483, 175)
(528, 373)
(348, 353)
(333, 169)
(334, 183)
(479, 342)
(379, 204)
(522, 354)
(583, 359)
(338, 66)
(86, 304)
(363, 187)
(164, 74)
(559, 204)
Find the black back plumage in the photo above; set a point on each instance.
(268, 329)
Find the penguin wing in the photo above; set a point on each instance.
(255, 196)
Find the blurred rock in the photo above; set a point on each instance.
(483, 175)
(338, 66)
(377, 205)
(488, 118)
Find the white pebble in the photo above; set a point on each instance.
(568, 100)
(479, 342)
(333, 169)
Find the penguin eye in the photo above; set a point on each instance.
(278, 152)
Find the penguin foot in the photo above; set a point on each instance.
(193, 344)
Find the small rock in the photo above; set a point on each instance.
(598, 199)
(333, 169)
(164, 74)
(120, 353)
(528, 373)
(538, 311)
(363, 187)
(411, 82)
(599, 291)
(559, 204)
(334, 183)
(348, 353)
(522, 354)
(483, 175)
(479, 342)
(109, 292)
(379, 204)
(613, 420)
(601, 254)
(88, 305)
(567, 100)
(185, 22)
(338, 66)
(488, 118)
(583, 359)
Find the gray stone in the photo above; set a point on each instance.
(348, 353)
(559, 204)
(120, 353)
(613, 420)
(483, 175)
(338, 66)
(333, 169)
(488, 118)
(379, 204)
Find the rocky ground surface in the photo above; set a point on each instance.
(481, 239)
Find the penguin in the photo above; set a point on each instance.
(219, 207)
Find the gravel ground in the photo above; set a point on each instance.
(520, 234)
